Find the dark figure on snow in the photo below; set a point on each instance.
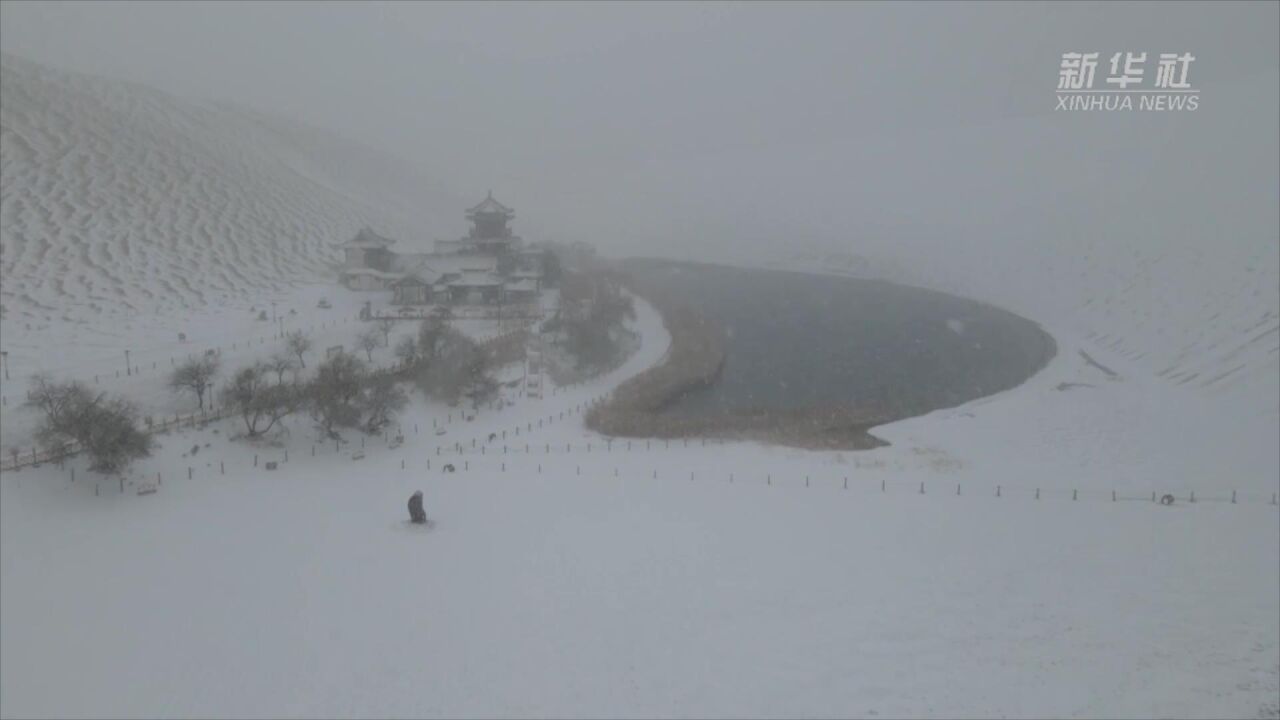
(416, 513)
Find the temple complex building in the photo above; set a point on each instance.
(488, 266)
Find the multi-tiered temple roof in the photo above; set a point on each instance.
(492, 208)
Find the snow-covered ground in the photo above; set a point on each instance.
(582, 577)
(610, 582)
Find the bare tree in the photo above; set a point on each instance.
(195, 376)
(280, 363)
(368, 342)
(431, 336)
(459, 366)
(334, 393)
(386, 325)
(407, 350)
(381, 400)
(61, 405)
(299, 345)
(111, 436)
(252, 395)
(106, 428)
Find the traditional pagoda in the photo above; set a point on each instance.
(489, 231)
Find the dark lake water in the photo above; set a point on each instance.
(797, 341)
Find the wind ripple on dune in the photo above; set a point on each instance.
(144, 198)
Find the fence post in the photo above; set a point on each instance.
(222, 467)
(1233, 497)
(846, 482)
(881, 484)
(1073, 494)
(921, 487)
(255, 460)
(1193, 496)
(1113, 496)
(188, 474)
(1037, 493)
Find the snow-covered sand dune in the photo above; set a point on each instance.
(120, 201)
(128, 216)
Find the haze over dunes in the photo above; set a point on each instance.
(118, 199)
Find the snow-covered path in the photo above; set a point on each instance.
(591, 587)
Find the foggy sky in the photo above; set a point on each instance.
(677, 127)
